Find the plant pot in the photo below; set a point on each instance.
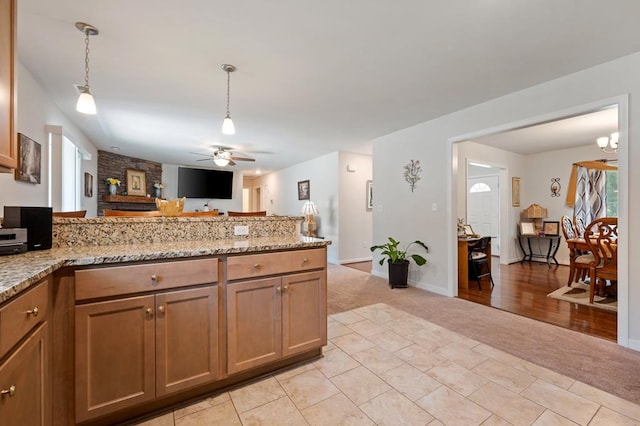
(398, 274)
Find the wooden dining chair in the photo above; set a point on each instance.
(578, 223)
(259, 213)
(77, 213)
(127, 213)
(199, 214)
(601, 236)
(578, 261)
(478, 259)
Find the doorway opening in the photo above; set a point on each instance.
(522, 288)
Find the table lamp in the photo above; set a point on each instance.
(537, 213)
(309, 210)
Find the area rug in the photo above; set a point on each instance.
(579, 293)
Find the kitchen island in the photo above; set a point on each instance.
(137, 326)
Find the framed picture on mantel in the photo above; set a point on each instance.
(136, 182)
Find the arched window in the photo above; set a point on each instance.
(480, 187)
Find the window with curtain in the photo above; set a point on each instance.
(596, 191)
(71, 176)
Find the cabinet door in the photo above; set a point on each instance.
(23, 383)
(304, 312)
(186, 339)
(8, 148)
(253, 323)
(115, 355)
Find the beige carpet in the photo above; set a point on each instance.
(597, 362)
(579, 293)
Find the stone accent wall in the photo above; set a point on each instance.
(112, 165)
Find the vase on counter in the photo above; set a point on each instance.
(112, 189)
(158, 192)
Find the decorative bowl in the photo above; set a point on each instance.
(170, 208)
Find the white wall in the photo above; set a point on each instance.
(400, 213)
(355, 220)
(280, 195)
(170, 181)
(35, 111)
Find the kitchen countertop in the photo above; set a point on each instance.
(19, 272)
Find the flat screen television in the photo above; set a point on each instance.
(204, 183)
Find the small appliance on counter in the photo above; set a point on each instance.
(36, 220)
(13, 240)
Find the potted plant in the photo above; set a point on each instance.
(398, 260)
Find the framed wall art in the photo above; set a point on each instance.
(303, 190)
(88, 185)
(136, 182)
(515, 191)
(527, 228)
(29, 160)
(551, 228)
(369, 195)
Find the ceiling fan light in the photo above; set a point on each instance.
(227, 126)
(221, 161)
(86, 104)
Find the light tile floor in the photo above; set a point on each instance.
(384, 366)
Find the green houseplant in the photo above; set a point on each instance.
(398, 260)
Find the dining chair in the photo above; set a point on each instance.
(478, 258)
(579, 261)
(77, 213)
(578, 222)
(259, 213)
(200, 214)
(601, 237)
(127, 213)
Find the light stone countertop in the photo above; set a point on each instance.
(19, 272)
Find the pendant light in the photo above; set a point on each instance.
(86, 104)
(227, 125)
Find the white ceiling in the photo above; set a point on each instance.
(313, 77)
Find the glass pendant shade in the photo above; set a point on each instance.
(227, 126)
(603, 141)
(86, 104)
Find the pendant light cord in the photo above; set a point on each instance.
(86, 60)
(228, 90)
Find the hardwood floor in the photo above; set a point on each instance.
(522, 289)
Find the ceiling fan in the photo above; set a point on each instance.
(224, 156)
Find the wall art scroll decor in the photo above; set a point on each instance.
(412, 173)
(29, 159)
(515, 191)
(555, 187)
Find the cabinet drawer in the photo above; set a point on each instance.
(22, 314)
(119, 280)
(256, 265)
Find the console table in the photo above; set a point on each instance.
(554, 244)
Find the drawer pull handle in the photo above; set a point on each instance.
(155, 278)
(279, 289)
(305, 260)
(285, 288)
(33, 311)
(11, 391)
(149, 311)
(257, 266)
(161, 309)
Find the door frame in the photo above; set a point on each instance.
(622, 102)
(500, 174)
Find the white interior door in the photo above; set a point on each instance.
(483, 208)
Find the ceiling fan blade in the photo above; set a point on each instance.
(205, 159)
(199, 153)
(243, 159)
(232, 163)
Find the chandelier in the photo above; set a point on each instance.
(609, 144)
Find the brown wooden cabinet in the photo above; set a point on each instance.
(25, 384)
(8, 143)
(24, 391)
(143, 331)
(272, 318)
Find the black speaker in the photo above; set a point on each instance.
(37, 220)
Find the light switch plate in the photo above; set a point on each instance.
(241, 230)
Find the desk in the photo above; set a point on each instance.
(554, 244)
(463, 261)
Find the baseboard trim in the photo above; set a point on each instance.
(634, 344)
(358, 259)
